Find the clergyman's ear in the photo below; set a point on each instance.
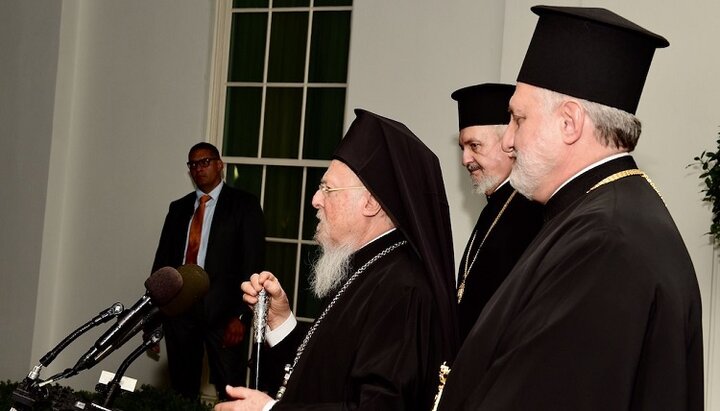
(372, 206)
(573, 118)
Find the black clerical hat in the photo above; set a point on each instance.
(405, 177)
(483, 104)
(590, 53)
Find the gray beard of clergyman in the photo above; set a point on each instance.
(484, 182)
(330, 269)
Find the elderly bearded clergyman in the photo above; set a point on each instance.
(602, 311)
(386, 275)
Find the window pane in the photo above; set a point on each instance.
(308, 305)
(319, 3)
(287, 47)
(242, 121)
(291, 3)
(244, 176)
(247, 47)
(281, 134)
(282, 201)
(329, 47)
(237, 4)
(323, 122)
(280, 260)
(314, 175)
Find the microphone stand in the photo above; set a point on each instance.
(259, 324)
(29, 390)
(113, 387)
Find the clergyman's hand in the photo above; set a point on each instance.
(245, 399)
(278, 304)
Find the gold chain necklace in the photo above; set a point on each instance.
(623, 174)
(461, 288)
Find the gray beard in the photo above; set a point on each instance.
(482, 185)
(330, 269)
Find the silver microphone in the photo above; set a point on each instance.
(259, 324)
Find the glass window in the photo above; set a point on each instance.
(323, 121)
(277, 111)
(251, 3)
(247, 47)
(287, 47)
(283, 106)
(329, 47)
(245, 177)
(282, 201)
(242, 121)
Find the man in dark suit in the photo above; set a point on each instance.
(221, 229)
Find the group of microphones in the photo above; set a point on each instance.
(169, 292)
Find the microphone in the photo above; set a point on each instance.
(169, 291)
(162, 286)
(195, 284)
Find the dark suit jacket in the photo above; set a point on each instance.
(235, 250)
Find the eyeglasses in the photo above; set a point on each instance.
(327, 190)
(202, 163)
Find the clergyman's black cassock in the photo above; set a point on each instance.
(381, 344)
(377, 348)
(602, 312)
(505, 243)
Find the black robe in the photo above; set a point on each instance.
(602, 312)
(515, 229)
(378, 347)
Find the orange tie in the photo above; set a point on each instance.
(196, 231)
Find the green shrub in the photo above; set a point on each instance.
(708, 161)
(147, 398)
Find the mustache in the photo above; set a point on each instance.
(472, 167)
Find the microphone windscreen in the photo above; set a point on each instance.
(195, 285)
(163, 285)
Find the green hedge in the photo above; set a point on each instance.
(147, 398)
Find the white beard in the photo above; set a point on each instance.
(531, 167)
(330, 269)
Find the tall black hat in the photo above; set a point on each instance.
(590, 53)
(483, 104)
(405, 178)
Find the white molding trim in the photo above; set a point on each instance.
(218, 71)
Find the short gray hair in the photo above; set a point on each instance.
(614, 127)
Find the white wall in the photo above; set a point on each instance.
(26, 106)
(133, 81)
(101, 100)
(407, 57)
